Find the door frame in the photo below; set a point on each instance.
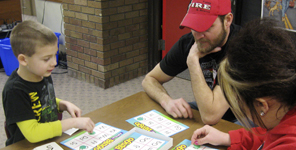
(154, 32)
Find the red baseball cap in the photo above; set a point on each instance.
(202, 14)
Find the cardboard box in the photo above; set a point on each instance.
(122, 140)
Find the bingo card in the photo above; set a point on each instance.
(102, 136)
(186, 145)
(137, 141)
(157, 122)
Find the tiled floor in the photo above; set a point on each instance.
(90, 97)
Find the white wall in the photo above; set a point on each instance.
(51, 15)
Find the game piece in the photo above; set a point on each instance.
(71, 131)
(101, 136)
(157, 122)
(186, 145)
(196, 146)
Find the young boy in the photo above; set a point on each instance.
(29, 102)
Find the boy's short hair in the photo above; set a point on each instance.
(27, 35)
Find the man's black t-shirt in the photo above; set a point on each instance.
(175, 61)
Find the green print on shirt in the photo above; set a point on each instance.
(45, 113)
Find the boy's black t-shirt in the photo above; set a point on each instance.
(23, 100)
(175, 61)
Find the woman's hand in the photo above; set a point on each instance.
(210, 135)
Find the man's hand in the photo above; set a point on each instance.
(178, 108)
(195, 52)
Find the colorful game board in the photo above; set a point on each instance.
(136, 141)
(186, 145)
(157, 122)
(102, 136)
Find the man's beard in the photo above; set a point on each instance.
(211, 45)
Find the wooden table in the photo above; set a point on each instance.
(117, 113)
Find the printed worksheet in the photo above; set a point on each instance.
(157, 122)
(101, 137)
(49, 146)
(186, 145)
(137, 141)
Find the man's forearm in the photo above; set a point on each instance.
(155, 90)
(202, 93)
(209, 108)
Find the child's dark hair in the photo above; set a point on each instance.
(260, 62)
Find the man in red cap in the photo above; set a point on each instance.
(200, 51)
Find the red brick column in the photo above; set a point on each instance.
(106, 40)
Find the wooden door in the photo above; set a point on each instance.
(10, 11)
(28, 7)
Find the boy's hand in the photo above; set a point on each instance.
(84, 123)
(72, 109)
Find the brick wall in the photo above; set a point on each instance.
(106, 40)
